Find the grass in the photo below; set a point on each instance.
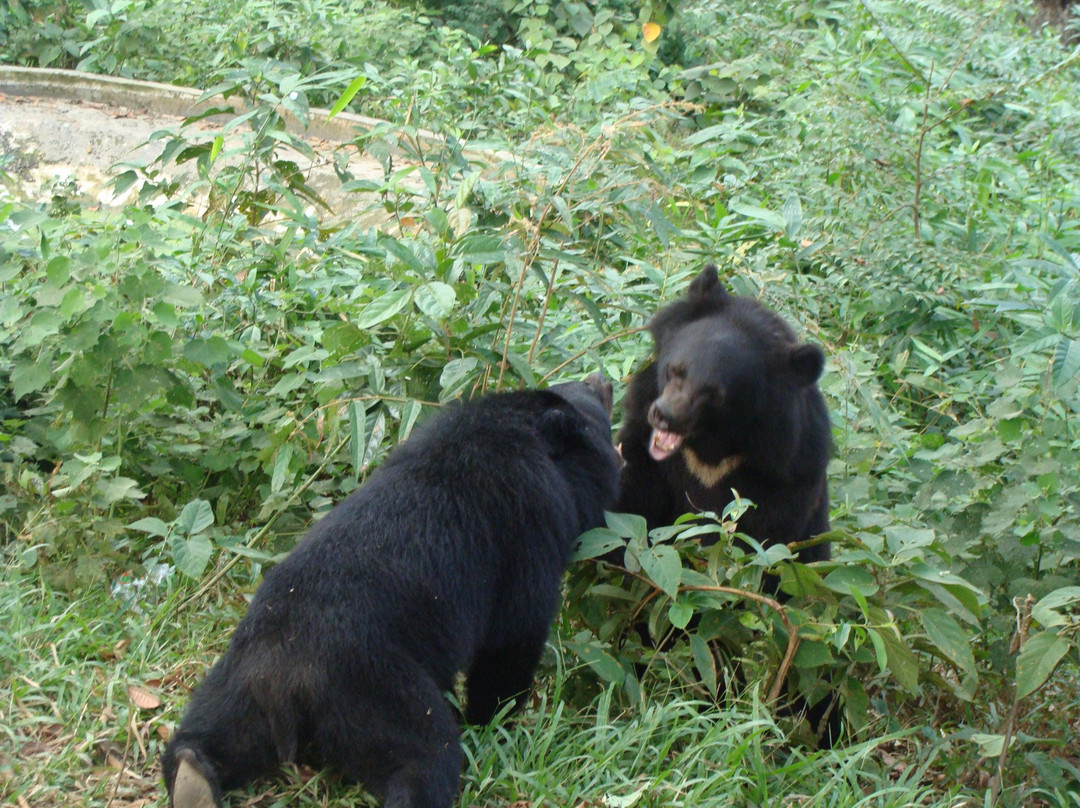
(91, 686)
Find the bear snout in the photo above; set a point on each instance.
(658, 418)
(674, 410)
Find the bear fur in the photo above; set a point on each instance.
(731, 402)
(448, 559)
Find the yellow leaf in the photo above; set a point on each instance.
(650, 31)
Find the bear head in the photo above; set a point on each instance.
(730, 374)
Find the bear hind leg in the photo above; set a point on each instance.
(428, 783)
(404, 747)
(498, 676)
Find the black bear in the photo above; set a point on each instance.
(731, 402)
(448, 559)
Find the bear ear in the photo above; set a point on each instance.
(806, 362)
(706, 284)
(562, 428)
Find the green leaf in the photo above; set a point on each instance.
(123, 181)
(116, 489)
(851, 581)
(771, 220)
(793, 216)
(383, 308)
(281, 467)
(252, 358)
(903, 540)
(286, 384)
(597, 657)
(1066, 361)
(191, 554)
(596, 542)
(680, 613)
(402, 252)
(342, 338)
(663, 566)
(43, 324)
(627, 525)
(704, 661)
(881, 653)
(304, 354)
(347, 96)
(455, 375)
(182, 296)
(949, 638)
(1046, 613)
(196, 517)
(928, 573)
(902, 662)
(346, 370)
(960, 601)
(812, 654)
(58, 270)
(74, 302)
(208, 352)
(990, 745)
(436, 299)
(410, 411)
(1037, 660)
(29, 377)
(151, 525)
(520, 364)
(357, 437)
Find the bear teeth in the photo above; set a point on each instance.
(664, 443)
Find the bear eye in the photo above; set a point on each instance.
(711, 395)
(676, 371)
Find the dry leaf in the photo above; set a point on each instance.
(116, 652)
(143, 698)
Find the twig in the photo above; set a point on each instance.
(777, 685)
(1023, 625)
(544, 310)
(793, 634)
(923, 131)
(610, 337)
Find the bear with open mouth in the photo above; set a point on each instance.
(730, 402)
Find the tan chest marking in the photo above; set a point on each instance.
(709, 476)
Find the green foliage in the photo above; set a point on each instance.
(861, 616)
(143, 39)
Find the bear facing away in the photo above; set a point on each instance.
(448, 559)
(731, 402)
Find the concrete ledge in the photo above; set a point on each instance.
(169, 99)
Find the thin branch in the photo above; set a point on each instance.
(1023, 626)
(544, 310)
(777, 685)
